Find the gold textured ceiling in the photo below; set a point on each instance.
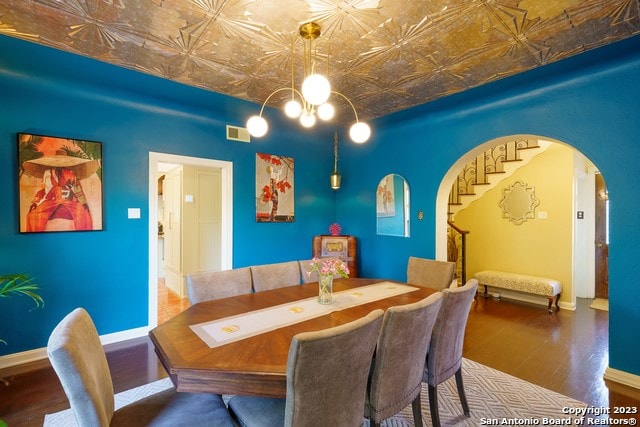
(385, 55)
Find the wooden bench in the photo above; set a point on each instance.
(543, 286)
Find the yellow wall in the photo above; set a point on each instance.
(540, 247)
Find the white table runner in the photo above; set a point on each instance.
(235, 328)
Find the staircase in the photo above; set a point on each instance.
(484, 172)
(490, 168)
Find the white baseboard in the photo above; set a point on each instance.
(524, 297)
(28, 356)
(622, 377)
(15, 359)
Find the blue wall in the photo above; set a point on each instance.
(590, 102)
(48, 92)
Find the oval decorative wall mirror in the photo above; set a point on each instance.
(518, 203)
(392, 206)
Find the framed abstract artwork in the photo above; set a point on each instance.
(60, 184)
(274, 188)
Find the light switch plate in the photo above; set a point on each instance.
(133, 213)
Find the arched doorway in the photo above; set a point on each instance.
(578, 253)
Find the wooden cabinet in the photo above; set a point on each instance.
(343, 247)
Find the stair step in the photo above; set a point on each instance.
(490, 163)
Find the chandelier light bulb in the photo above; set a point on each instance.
(257, 126)
(360, 132)
(292, 109)
(316, 89)
(326, 111)
(308, 119)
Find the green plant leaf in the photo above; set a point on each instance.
(20, 284)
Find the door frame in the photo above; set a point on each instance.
(226, 261)
(590, 289)
(596, 259)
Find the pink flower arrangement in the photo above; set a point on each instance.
(328, 267)
(335, 229)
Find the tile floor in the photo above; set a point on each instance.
(169, 304)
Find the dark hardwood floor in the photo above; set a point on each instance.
(566, 352)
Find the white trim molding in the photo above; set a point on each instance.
(622, 377)
(16, 359)
(37, 354)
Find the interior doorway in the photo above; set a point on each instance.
(226, 235)
(583, 279)
(601, 238)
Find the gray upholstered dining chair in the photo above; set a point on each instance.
(430, 273)
(210, 285)
(444, 358)
(277, 275)
(327, 374)
(79, 360)
(396, 376)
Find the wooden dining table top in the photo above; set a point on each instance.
(254, 366)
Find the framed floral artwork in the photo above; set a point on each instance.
(60, 184)
(385, 197)
(274, 188)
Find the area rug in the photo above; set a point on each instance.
(66, 419)
(600, 304)
(492, 395)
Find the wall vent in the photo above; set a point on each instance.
(236, 133)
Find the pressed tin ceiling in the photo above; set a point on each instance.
(384, 55)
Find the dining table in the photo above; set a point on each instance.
(256, 365)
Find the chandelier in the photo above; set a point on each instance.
(311, 101)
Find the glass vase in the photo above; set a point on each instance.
(325, 289)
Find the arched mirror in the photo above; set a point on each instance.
(392, 206)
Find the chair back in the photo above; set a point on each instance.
(327, 373)
(210, 285)
(78, 359)
(396, 377)
(430, 273)
(278, 275)
(445, 352)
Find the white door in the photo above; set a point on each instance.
(201, 220)
(220, 254)
(172, 194)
